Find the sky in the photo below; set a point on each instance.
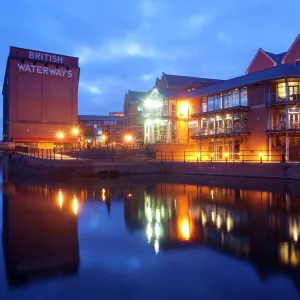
(125, 44)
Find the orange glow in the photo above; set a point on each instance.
(75, 205)
(183, 110)
(75, 131)
(60, 135)
(184, 227)
(60, 199)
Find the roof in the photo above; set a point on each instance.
(187, 81)
(278, 72)
(276, 57)
(135, 95)
(99, 118)
(172, 94)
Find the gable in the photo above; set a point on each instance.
(293, 54)
(261, 61)
(163, 81)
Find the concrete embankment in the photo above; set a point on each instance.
(22, 164)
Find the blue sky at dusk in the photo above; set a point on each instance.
(126, 44)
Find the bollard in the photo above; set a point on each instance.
(54, 154)
(184, 156)
(61, 153)
(42, 153)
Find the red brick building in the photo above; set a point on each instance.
(40, 98)
(255, 115)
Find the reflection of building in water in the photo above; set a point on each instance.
(39, 232)
(259, 226)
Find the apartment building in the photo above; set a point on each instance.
(257, 114)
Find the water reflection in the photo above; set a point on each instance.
(40, 224)
(259, 226)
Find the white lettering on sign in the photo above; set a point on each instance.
(46, 57)
(45, 70)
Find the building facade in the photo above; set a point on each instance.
(95, 130)
(133, 118)
(40, 98)
(255, 116)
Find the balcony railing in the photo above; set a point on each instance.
(283, 125)
(219, 131)
(276, 99)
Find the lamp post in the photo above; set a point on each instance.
(60, 135)
(75, 132)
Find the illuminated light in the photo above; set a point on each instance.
(75, 131)
(103, 195)
(185, 229)
(284, 253)
(103, 138)
(149, 214)
(153, 103)
(156, 246)
(260, 156)
(149, 121)
(295, 235)
(213, 216)
(129, 195)
(198, 155)
(157, 230)
(60, 198)
(229, 224)
(183, 110)
(75, 205)
(204, 219)
(211, 154)
(219, 222)
(60, 135)
(149, 232)
(158, 215)
(128, 138)
(162, 212)
(212, 195)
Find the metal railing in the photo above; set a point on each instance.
(283, 125)
(250, 156)
(220, 130)
(274, 98)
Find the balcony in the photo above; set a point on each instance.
(275, 99)
(283, 126)
(222, 131)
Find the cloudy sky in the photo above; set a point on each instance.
(126, 44)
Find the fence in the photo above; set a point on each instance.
(257, 156)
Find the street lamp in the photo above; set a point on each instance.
(60, 135)
(75, 131)
(128, 138)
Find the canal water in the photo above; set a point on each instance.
(180, 237)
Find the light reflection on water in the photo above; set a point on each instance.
(170, 231)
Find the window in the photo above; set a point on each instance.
(244, 98)
(280, 89)
(218, 102)
(211, 103)
(139, 109)
(140, 121)
(140, 134)
(204, 105)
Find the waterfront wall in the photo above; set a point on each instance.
(22, 164)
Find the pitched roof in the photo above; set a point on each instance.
(276, 57)
(172, 94)
(135, 95)
(278, 72)
(187, 81)
(292, 46)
